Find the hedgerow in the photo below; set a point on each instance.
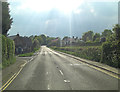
(8, 50)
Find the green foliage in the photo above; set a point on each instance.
(96, 37)
(103, 48)
(35, 44)
(8, 50)
(87, 52)
(26, 54)
(111, 48)
(87, 36)
(43, 38)
(54, 42)
(116, 30)
(111, 54)
(6, 18)
(35, 49)
(106, 33)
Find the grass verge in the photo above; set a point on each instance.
(26, 54)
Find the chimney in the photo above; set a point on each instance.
(18, 35)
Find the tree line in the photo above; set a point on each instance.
(45, 40)
(110, 44)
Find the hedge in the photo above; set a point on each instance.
(8, 50)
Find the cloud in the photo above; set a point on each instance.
(78, 11)
(92, 10)
(94, 16)
(47, 22)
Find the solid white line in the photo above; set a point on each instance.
(61, 72)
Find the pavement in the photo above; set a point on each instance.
(50, 70)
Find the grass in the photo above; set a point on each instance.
(29, 54)
(26, 54)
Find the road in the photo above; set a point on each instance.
(53, 71)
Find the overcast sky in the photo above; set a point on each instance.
(62, 17)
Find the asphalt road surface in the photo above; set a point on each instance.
(52, 71)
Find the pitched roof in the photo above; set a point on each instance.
(21, 41)
(12, 37)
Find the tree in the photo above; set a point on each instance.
(6, 18)
(44, 39)
(106, 33)
(96, 37)
(35, 44)
(111, 48)
(66, 37)
(116, 30)
(87, 36)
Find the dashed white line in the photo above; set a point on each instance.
(30, 59)
(66, 81)
(48, 86)
(75, 64)
(61, 72)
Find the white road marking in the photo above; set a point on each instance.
(48, 86)
(66, 81)
(74, 64)
(30, 59)
(61, 72)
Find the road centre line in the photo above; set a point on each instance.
(48, 86)
(61, 72)
(66, 81)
